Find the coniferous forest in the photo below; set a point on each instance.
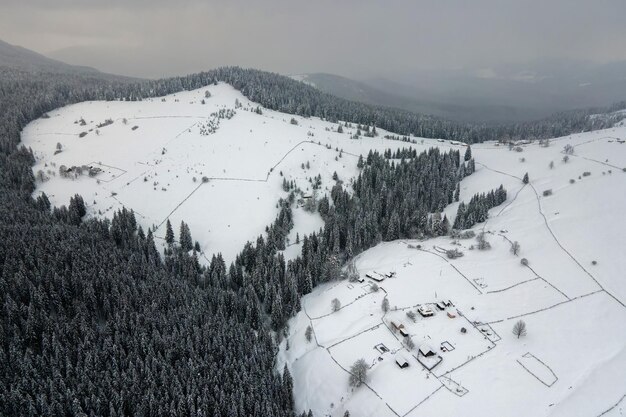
(95, 322)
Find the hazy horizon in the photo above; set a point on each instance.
(358, 39)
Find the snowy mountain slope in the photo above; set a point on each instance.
(571, 362)
(574, 309)
(154, 149)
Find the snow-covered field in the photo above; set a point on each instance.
(151, 168)
(572, 361)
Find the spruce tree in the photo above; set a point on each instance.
(185, 241)
(169, 233)
(468, 153)
(277, 311)
(444, 226)
(287, 388)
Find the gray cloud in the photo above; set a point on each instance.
(362, 38)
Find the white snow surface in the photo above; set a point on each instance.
(571, 362)
(151, 169)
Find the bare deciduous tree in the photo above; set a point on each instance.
(515, 247)
(335, 304)
(385, 305)
(353, 273)
(408, 342)
(358, 373)
(519, 329)
(482, 241)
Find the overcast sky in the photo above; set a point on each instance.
(357, 38)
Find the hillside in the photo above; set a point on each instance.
(570, 294)
(151, 157)
(94, 321)
(176, 158)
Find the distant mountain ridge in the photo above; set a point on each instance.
(507, 94)
(281, 93)
(388, 93)
(17, 57)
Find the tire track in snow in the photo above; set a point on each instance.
(513, 286)
(512, 201)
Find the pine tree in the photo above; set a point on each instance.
(468, 153)
(444, 226)
(185, 241)
(525, 179)
(277, 311)
(76, 209)
(169, 233)
(287, 388)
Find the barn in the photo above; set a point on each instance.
(400, 328)
(375, 276)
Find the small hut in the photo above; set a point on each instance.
(427, 351)
(401, 361)
(425, 311)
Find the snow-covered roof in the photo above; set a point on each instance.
(401, 359)
(426, 349)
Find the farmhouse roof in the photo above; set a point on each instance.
(425, 349)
